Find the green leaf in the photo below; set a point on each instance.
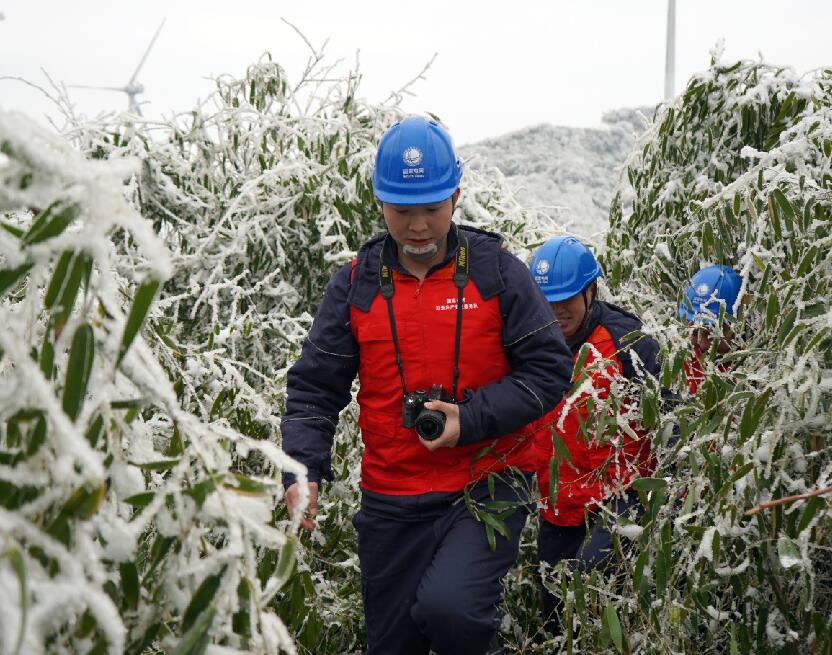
(737, 204)
(19, 568)
(786, 209)
(649, 411)
(650, 484)
(78, 370)
(201, 599)
(581, 360)
(12, 229)
(58, 279)
(788, 552)
(772, 309)
(497, 525)
(129, 584)
(751, 415)
(554, 480)
(66, 281)
(806, 262)
(286, 562)
(94, 430)
(638, 570)
(50, 223)
(560, 448)
(196, 640)
(786, 324)
(159, 465)
(614, 626)
(138, 312)
(578, 592)
(707, 241)
(774, 218)
(9, 276)
(141, 499)
(47, 357)
(492, 539)
(812, 506)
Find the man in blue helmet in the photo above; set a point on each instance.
(711, 295)
(456, 351)
(597, 469)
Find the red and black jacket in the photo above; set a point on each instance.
(514, 367)
(597, 469)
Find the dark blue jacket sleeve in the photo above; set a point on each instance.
(540, 360)
(318, 384)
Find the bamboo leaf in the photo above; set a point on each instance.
(615, 628)
(786, 207)
(560, 448)
(19, 568)
(201, 599)
(158, 465)
(195, 641)
(497, 525)
(554, 478)
(129, 584)
(138, 312)
(650, 484)
(774, 218)
(812, 506)
(788, 552)
(50, 223)
(9, 276)
(772, 309)
(286, 562)
(78, 370)
(492, 539)
(58, 279)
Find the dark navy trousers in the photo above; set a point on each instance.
(586, 547)
(429, 579)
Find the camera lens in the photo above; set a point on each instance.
(430, 424)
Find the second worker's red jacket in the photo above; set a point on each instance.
(602, 468)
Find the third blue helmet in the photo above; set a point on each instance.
(563, 267)
(708, 289)
(416, 164)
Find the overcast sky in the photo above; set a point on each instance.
(501, 65)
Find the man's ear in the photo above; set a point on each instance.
(594, 290)
(454, 200)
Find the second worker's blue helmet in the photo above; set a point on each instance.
(708, 289)
(416, 164)
(563, 267)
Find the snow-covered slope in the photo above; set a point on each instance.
(570, 172)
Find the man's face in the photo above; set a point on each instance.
(420, 230)
(701, 338)
(570, 313)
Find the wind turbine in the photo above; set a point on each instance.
(133, 87)
(670, 52)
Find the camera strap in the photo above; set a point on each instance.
(386, 288)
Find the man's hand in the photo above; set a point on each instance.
(450, 434)
(292, 500)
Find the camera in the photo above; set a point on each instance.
(428, 423)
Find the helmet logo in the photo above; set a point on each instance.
(412, 156)
(542, 267)
(703, 290)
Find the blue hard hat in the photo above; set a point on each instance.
(416, 164)
(563, 267)
(708, 289)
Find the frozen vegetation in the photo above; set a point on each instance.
(157, 279)
(568, 172)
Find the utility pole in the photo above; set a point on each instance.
(670, 53)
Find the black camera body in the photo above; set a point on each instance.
(428, 423)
